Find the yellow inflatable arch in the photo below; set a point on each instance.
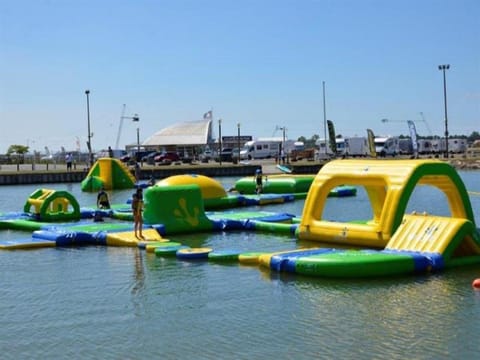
(52, 205)
(389, 185)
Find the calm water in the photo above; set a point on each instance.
(122, 303)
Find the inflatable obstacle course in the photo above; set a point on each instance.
(178, 207)
(298, 185)
(214, 196)
(413, 243)
(389, 184)
(127, 238)
(52, 205)
(409, 243)
(109, 173)
(276, 184)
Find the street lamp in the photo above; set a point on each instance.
(283, 152)
(238, 140)
(135, 118)
(443, 68)
(324, 119)
(89, 137)
(220, 141)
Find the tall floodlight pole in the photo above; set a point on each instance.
(220, 141)
(238, 140)
(284, 152)
(443, 68)
(89, 137)
(136, 119)
(324, 120)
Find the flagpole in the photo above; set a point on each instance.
(324, 119)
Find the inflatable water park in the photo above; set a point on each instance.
(390, 242)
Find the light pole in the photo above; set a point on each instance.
(238, 140)
(443, 68)
(283, 152)
(89, 137)
(135, 118)
(220, 141)
(324, 120)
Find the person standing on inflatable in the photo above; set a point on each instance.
(137, 209)
(258, 181)
(102, 199)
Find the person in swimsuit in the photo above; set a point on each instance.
(258, 181)
(137, 209)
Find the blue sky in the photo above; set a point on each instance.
(260, 63)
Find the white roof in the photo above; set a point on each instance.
(186, 133)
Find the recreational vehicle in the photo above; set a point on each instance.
(386, 146)
(349, 146)
(260, 149)
(269, 148)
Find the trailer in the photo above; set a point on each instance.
(356, 146)
(305, 154)
(345, 147)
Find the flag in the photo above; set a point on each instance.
(331, 135)
(371, 143)
(207, 115)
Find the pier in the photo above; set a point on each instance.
(22, 174)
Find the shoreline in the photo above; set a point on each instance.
(23, 174)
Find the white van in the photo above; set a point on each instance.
(259, 149)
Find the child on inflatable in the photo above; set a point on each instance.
(258, 181)
(102, 199)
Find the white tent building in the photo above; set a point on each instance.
(182, 137)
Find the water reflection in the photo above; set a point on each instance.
(139, 273)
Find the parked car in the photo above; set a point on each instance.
(206, 156)
(225, 155)
(167, 157)
(150, 158)
(235, 153)
(133, 157)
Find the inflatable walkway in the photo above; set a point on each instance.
(109, 173)
(412, 243)
(298, 185)
(421, 244)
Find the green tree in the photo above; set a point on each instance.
(473, 136)
(309, 143)
(19, 150)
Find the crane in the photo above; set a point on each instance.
(414, 121)
(283, 128)
(426, 124)
(120, 127)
